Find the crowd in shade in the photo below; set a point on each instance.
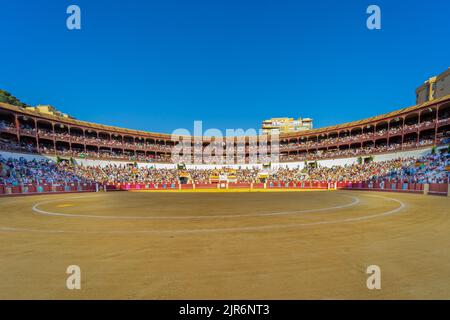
(21, 171)
(432, 168)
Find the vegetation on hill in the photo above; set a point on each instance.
(6, 97)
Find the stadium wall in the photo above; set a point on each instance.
(46, 188)
(439, 189)
(300, 165)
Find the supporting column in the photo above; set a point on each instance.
(418, 129)
(436, 125)
(17, 124)
(36, 136)
(54, 138)
(403, 132)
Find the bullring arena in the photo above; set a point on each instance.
(227, 245)
(373, 192)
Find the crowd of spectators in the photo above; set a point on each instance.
(6, 125)
(21, 171)
(432, 168)
(428, 169)
(351, 152)
(165, 157)
(347, 139)
(116, 147)
(112, 174)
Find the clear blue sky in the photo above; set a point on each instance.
(160, 65)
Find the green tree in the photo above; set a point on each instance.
(6, 97)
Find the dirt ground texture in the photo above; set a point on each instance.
(278, 245)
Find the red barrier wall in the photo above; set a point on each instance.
(206, 186)
(45, 188)
(240, 185)
(436, 188)
(386, 186)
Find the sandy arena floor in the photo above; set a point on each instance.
(283, 245)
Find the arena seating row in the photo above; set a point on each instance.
(287, 153)
(428, 174)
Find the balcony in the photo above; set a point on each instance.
(8, 130)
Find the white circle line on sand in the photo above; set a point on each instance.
(36, 209)
(401, 206)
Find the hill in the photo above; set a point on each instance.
(7, 97)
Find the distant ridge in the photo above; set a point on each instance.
(7, 97)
